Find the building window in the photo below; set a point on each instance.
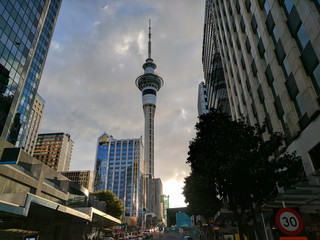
(309, 59)
(243, 27)
(298, 103)
(315, 77)
(314, 155)
(248, 45)
(275, 35)
(270, 23)
(254, 68)
(238, 7)
(288, 5)
(286, 67)
(266, 7)
(248, 5)
(261, 48)
(254, 24)
(302, 38)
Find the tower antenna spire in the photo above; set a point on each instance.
(149, 43)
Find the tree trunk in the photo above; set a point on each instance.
(238, 217)
(256, 225)
(210, 233)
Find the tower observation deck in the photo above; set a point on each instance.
(149, 84)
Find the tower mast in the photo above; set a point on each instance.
(149, 43)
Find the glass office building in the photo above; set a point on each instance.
(119, 168)
(26, 29)
(215, 83)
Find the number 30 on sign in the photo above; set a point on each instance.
(289, 221)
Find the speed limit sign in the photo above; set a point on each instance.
(289, 221)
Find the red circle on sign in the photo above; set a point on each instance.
(289, 221)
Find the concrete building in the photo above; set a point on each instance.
(36, 202)
(156, 192)
(119, 168)
(270, 52)
(84, 178)
(34, 124)
(149, 84)
(54, 150)
(25, 34)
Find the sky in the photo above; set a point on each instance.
(96, 53)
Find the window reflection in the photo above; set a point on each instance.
(302, 37)
(289, 5)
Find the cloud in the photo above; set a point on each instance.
(89, 87)
(55, 46)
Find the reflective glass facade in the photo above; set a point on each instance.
(26, 28)
(216, 91)
(119, 168)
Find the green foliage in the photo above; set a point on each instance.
(234, 161)
(200, 196)
(114, 205)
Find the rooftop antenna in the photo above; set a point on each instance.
(149, 43)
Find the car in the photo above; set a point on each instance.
(187, 238)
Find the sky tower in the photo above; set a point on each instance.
(149, 83)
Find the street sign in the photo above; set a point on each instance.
(289, 221)
(160, 228)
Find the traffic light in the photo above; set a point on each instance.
(144, 211)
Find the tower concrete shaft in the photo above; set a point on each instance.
(149, 83)
(149, 111)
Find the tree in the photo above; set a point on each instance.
(200, 195)
(239, 165)
(114, 205)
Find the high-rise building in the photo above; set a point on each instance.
(149, 84)
(119, 168)
(34, 124)
(84, 178)
(156, 192)
(54, 150)
(26, 29)
(215, 85)
(270, 53)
